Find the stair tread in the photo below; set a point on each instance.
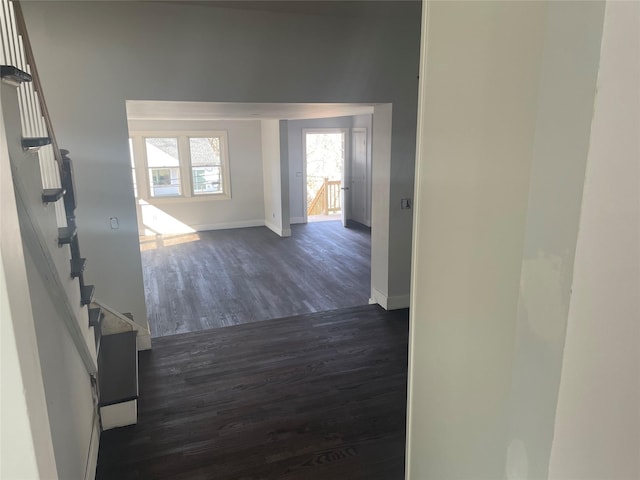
(66, 235)
(35, 142)
(14, 75)
(95, 316)
(95, 321)
(77, 266)
(50, 195)
(86, 294)
(118, 368)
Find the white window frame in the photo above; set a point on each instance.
(186, 170)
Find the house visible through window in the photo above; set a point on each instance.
(163, 162)
(181, 165)
(206, 165)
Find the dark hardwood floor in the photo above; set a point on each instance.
(228, 277)
(317, 396)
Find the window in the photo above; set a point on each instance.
(163, 162)
(181, 165)
(206, 165)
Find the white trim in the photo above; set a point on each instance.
(119, 414)
(378, 297)
(184, 164)
(143, 336)
(178, 200)
(227, 225)
(417, 206)
(293, 220)
(143, 341)
(94, 446)
(283, 232)
(394, 302)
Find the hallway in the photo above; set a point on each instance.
(311, 397)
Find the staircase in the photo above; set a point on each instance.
(46, 201)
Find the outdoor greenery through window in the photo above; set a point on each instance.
(180, 165)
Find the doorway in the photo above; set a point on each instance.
(325, 171)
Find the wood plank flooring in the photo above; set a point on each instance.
(228, 277)
(317, 396)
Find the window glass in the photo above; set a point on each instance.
(205, 151)
(163, 162)
(206, 166)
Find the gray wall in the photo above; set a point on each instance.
(92, 56)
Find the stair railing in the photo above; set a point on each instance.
(18, 68)
(327, 199)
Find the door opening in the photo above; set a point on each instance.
(325, 156)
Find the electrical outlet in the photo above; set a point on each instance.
(405, 203)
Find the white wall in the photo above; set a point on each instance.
(246, 205)
(26, 446)
(273, 188)
(66, 382)
(502, 148)
(597, 431)
(164, 51)
(380, 207)
(566, 90)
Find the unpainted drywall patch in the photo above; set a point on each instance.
(517, 465)
(544, 297)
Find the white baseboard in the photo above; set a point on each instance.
(379, 298)
(297, 220)
(94, 446)
(283, 232)
(143, 340)
(394, 302)
(119, 414)
(228, 225)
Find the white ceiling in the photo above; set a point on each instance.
(156, 110)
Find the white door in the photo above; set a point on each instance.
(358, 191)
